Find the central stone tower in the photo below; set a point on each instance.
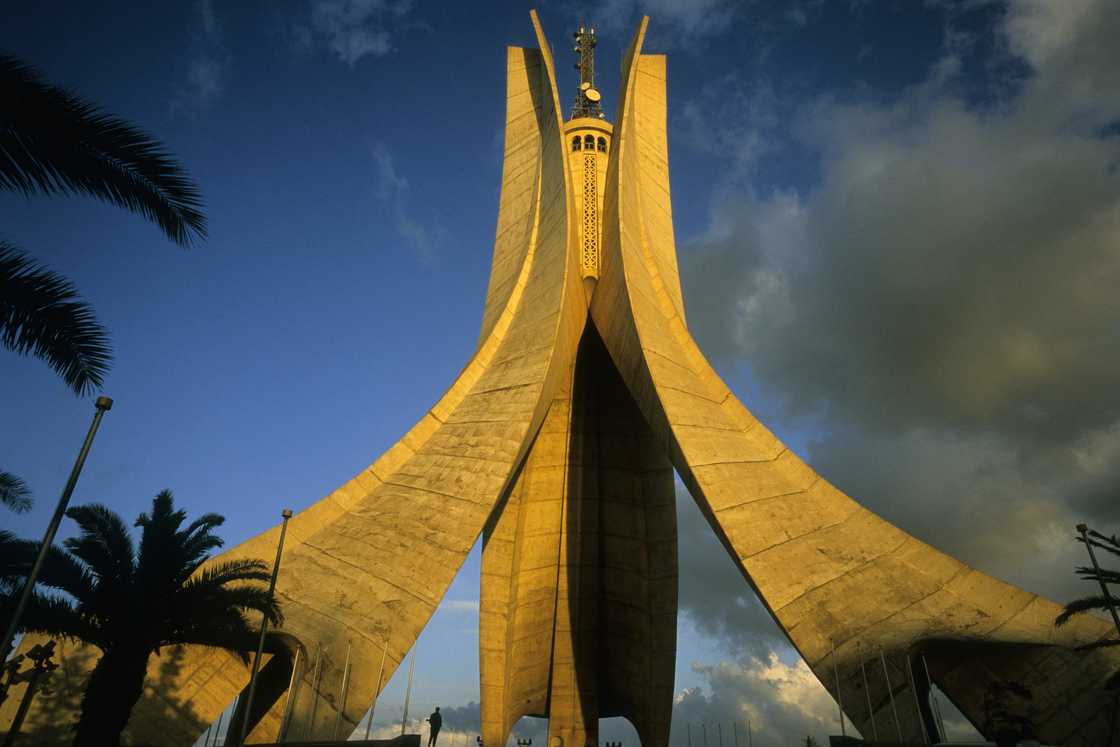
(579, 566)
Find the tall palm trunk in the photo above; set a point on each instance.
(114, 687)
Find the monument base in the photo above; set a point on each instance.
(405, 740)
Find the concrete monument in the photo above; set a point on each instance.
(557, 444)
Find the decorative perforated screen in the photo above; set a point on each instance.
(590, 215)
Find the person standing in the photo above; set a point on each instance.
(436, 721)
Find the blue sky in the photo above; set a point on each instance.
(897, 224)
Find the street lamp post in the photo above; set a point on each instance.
(285, 514)
(103, 405)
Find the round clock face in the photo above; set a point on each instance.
(592, 94)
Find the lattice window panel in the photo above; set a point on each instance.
(590, 215)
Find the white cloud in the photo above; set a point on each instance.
(351, 29)
(673, 23)
(460, 605)
(207, 64)
(782, 702)
(392, 190)
(733, 119)
(801, 13)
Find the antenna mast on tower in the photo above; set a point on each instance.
(587, 98)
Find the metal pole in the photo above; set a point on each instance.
(206, 736)
(408, 690)
(290, 699)
(836, 674)
(719, 730)
(940, 720)
(103, 405)
(890, 691)
(315, 677)
(218, 728)
(377, 690)
(735, 732)
(688, 729)
(345, 690)
(933, 700)
(867, 691)
(704, 729)
(286, 514)
(1084, 529)
(917, 703)
(750, 737)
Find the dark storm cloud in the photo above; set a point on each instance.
(944, 303)
(466, 718)
(714, 597)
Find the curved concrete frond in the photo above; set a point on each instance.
(843, 583)
(370, 562)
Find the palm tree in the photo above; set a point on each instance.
(12, 560)
(51, 141)
(129, 602)
(42, 314)
(14, 492)
(1105, 577)
(16, 558)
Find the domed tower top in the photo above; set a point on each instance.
(588, 97)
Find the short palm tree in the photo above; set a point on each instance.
(16, 557)
(51, 141)
(1105, 576)
(129, 602)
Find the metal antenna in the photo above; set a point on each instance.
(587, 97)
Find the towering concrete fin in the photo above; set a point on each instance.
(621, 564)
(522, 548)
(579, 571)
(578, 598)
(369, 563)
(844, 584)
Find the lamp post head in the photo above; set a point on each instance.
(103, 403)
(1083, 528)
(286, 513)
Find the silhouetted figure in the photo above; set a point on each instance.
(436, 721)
